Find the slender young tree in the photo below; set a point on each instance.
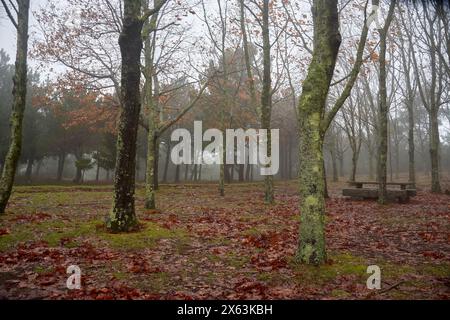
(19, 98)
(266, 97)
(383, 110)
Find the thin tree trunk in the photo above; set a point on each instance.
(383, 111)
(156, 166)
(177, 173)
(60, 170)
(18, 106)
(266, 98)
(29, 170)
(97, 173)
(434, 151)
(150, 103)
(166, 163)
(38, 169)
(411, 146)
(334, 164)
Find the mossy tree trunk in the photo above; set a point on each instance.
(122, 217)
(18, 106)
(311, 109)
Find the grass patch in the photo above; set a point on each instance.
(145, 238)
(16, 236)
(237, 260)
(342, 264)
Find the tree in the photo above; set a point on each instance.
(122, 217)
(431, 89)
(19, 99)
(311, 110)
(266, 97)
(313, 122)
(383, 109)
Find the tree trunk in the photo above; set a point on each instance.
(355, 157)
(151, 170)
(150, 102)
(177, 173)
(411, 146)
(341, 165)
(383, 111)
(370, 164)
(60, 170)
(334, 164)
(434, 151)
(18, 107)
(325, 184)
(166, 163)
(247, 172)
(29, 170)
(122, 217)
(97, 173)
(266, 99)
(78, 173)
(38, 169)
(241, 172)
(156, 166)
(311, 108)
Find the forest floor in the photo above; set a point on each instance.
(202, 246)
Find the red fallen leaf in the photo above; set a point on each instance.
(47, 281)
(4, 231)
(152, 211)
(433, 254)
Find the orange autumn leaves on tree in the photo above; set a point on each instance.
(75, 106)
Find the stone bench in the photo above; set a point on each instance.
(392, 195)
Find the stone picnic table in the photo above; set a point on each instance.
(407, 190)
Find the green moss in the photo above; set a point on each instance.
(343, 264)
(55, 231)
(437, 270)
(43, 270)
(120, 275)
(337, 293)
(146, 237)
(16, 236)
